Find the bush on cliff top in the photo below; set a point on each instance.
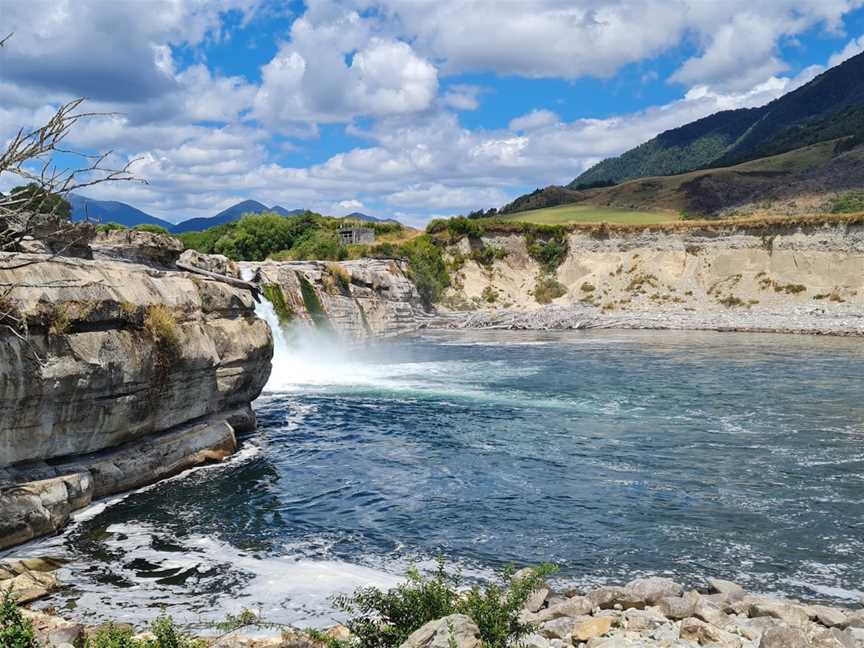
(428, 268)
(385, 619)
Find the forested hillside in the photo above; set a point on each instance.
(828, 107)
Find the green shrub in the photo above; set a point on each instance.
(437, 225)
(385, 619)
(165, 635)
(112, 636)
(548, 288)
(254, 237)
(489, 295)
(848, 203)
(461, 226)
(153, 229)
(495, 608)
(488, 255)
(548, 249)
(428, 268)
(15, 630)
(319, 245)
(110, 227)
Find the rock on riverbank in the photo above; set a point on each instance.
(353, 299)
(650, 612)
(115, 373)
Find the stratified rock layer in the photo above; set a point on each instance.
(354, 299)
(114, 375)
(779, 277)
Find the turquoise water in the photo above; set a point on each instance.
(609, 453)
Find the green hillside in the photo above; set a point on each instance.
(828, 107)
(568, 214)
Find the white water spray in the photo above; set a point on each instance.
(304, 356)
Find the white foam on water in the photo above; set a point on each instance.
(290, 588)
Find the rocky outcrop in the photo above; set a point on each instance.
(114, 374)
(795, 278)
(354, 299)
(656, 612)
(454, 631)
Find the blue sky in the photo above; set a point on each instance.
(399, 108)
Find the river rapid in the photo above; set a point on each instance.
(611, 453)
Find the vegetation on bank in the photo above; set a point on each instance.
(385, 619)
(376, 618)
(15, 630)
(451, 230)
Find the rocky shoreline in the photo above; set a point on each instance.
(806, 321)
(651, 612)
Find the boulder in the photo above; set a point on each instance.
(146, 248)
(830, 617)
(654, 588)
(560, 628)
(592, 627)
(710, 613)
(642, 621)
(705, 634)
(535, 640)
(454, 631)
(30, 586)
(536, 600)
(572, 607)
(211, 263)
(784, 637)
(832, 638)
(789, 613)
(609, 597)
(676, 607)
(854, 619)
(53, 631)
(732, 591)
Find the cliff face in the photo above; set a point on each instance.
(354, 299)
(733, 274)
(114, 375)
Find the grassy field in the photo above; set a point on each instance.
(566, 214)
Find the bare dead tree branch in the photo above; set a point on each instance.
(31, 155)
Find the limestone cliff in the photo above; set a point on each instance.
(354, 299)
(115, 374)
(771, 277)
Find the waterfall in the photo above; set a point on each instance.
(304, 356)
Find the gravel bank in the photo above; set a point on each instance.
(802, 320)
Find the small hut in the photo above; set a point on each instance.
(356, 235)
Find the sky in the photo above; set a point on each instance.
(408, 109)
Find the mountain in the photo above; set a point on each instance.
(279, 209)
(112, 211)
(364, 217)
(234, 212)
(806, 180)
(828, 107)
